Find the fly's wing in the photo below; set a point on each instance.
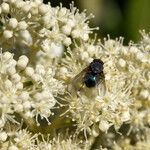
(77, 81)
(101, 86)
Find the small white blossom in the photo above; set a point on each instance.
(43, 102)
(22, 25)
(5, 8)
(104, 125)
(13, 147)
(29, 71)
(3, 136)
(22, 62)
(26, 37)
(51, 49)
(13, 23)
(7, 34)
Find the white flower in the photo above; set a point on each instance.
(51, 49)
(104, 125)
(13, 147)
(3, 136)
(5, 7)
(7, 34)
(16, 96)
(62, 143)
(27, 26)
(21, 139)
(13, 23)
(43, 103)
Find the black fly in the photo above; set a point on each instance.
(91, 77)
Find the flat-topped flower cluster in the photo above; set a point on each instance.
(42, 49)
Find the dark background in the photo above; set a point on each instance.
(115, 17)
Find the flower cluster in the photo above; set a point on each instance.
(100, 111)
(18, 140)
(61, 143)
(40, 25)
(142, 142)
(126, 70)
(24, 140)
(26, 90)
(44, 51)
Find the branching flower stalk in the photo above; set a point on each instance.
(42, 49)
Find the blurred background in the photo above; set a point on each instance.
(115, 17)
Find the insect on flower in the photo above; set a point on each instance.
(91, 78)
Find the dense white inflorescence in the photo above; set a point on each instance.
(35, 24)
(23, 88)
(42, 49)
(126, 70)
